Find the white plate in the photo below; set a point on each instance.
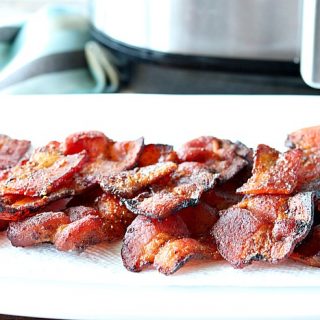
(93, 285)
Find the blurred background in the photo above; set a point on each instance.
(10, 9)
(144, 46)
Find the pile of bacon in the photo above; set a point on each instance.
(213, 199)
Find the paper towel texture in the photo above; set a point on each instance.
(102, 264)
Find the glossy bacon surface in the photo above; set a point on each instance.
(144, 238)
(116, 217)
(128, 183)
(79, 234)
(119, 156)
(263, 228)
(37, 229)
(273, 173)
(154, 153)
(12, 151)
(79, 212)
(176, 253)
(45, 171)
(305, 139)
(95, 143)
(220, 156)
(183, 189)
(308, 140)
(17, 207)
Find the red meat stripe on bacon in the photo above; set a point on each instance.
(45, 171)
(183, 189)
(218, 155)
(263, 228)
(127, 184)
(166, 244)
(11, 151)
(273, 173)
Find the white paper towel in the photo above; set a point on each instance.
(102, 264)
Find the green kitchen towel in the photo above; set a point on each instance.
(53, 52)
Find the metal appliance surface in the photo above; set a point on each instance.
(258, 30)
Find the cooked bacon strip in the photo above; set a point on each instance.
(199, 219)
(17, 207)
(79, 234)
(263, 228)
(81, 229)
(221, 156)
(12, 151)
(106, 156)
(116, 217)
(309, 173)
(183, 189)
(309, 251)
(154, 153)
(94, 142)
(127, 184)
(36, 229)
(176, 253)
(273, 173)
(144, 238)
(120, 156)
(305, 139)
(79, 212)
(45, 171)
(308, 140)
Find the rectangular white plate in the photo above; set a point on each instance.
(94, 285)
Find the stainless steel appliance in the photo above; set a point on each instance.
(202, 31)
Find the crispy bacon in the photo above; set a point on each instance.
(95, 143)
(37, 229)
(116, 217)
(127, 184)
(79, 234)
(309, 173)
(12, 151)
(263, 228)
(144, 238)
(221, 156)
(106, 156)
(154, 153)
(17, 207)
(120, 156)
(309, 251)
(176, 253)
(183, 189)
(308, 140)
(305, 139)
(79, 212)
(273, 173)
(113, 219)
(45, 171)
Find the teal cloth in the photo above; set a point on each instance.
(52, 52)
